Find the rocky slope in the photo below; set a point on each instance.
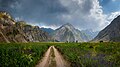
(67, 33)
(12, 31)
(48, 30)
(110, 33)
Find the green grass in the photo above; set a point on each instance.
(21, 54)
(79, 54)
(91, 54)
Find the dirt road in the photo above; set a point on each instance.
(53, 58)
(45, 61)
(60, 62)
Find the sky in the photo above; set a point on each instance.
(82, 14)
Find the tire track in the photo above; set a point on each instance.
(53, 58)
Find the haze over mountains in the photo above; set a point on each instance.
(92, 34)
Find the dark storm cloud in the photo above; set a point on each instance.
(37, 10)
(6, 3)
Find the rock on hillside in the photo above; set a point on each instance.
(12, 31)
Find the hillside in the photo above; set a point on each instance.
(111, 32)
(12, 31)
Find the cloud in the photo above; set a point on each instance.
(37, 11)
(83, 14)
(113, 15)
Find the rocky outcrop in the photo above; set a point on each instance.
(110, 33)
(32, 33)
(12, 31)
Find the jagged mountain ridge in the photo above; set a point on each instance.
(67, 33)
(111, 32)
(12, 31)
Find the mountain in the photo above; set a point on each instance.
(32, 33)
(90, 33)
(48, 30)
(67, 33)
(110, 33)
(12, 31)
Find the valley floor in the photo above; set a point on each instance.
(60, 54)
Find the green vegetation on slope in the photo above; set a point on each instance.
(21, 54)
(91, 54)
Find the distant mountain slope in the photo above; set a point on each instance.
(12, 31)
(90, 33)
(48, 30)
(67, 33)
(111, 32)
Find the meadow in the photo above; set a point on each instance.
(91, 54)
(21, 54)
(78, 54)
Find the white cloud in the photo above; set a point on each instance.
(78, 1)
(113, 15)
(97, 16)
(41, 24)
(85, 14)
(52, 27)
(18, 18)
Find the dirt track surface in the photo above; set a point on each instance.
(45, 61)
(53, 58)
